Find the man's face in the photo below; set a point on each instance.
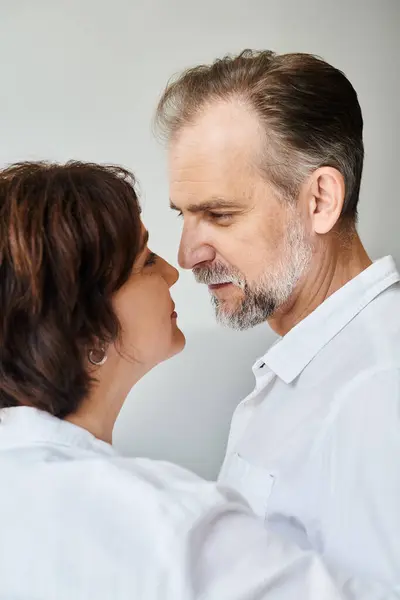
(247, 245)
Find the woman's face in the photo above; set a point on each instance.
(146, 311)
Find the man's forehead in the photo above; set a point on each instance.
(224, 130)
(212, 178)
(212, 164)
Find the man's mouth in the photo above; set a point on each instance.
(219, 286)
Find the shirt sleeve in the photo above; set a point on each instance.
(200, 541)
(359, 464)
(233, 557)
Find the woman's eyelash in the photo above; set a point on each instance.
(151, 259)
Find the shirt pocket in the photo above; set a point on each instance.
(254, 483)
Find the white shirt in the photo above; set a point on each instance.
(315, 448)
(79, 522)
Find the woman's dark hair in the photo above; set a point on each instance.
(69, 236)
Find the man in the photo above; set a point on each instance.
(265, 158)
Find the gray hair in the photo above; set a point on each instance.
(309, 111)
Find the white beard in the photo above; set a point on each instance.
(272, 290)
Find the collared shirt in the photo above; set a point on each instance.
(315, 448)
(78, 522)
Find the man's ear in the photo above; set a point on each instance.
(325, 198)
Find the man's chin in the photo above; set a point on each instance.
(229, 316)
(232, 321)
(228, 307)
(239, 317)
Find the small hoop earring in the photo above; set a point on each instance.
(97, 357)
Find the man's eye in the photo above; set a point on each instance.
(151, 260)
(179, 213)
(221, 217)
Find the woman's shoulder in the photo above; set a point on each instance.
(147, 504)
(156, 473)
(164, 486)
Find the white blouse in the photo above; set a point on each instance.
(79, 522)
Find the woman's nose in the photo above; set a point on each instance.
(170, 274)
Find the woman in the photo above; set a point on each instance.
(85, 312)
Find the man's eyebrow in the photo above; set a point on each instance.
(208, 205)
(144, 243)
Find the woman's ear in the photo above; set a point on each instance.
(325, 198)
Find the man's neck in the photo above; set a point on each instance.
(332, 267)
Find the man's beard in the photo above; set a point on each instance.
(273, 289)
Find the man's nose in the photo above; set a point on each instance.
(193, 252)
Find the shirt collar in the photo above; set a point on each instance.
(24, 425)
(291, 354)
